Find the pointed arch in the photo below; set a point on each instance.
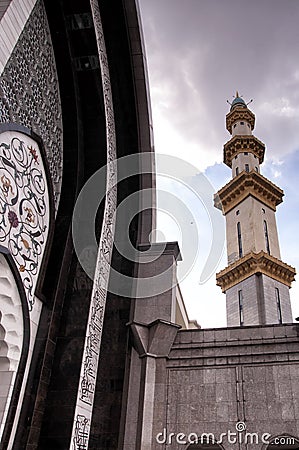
(26, 226)
(27, 204)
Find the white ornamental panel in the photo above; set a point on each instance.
(24, 206)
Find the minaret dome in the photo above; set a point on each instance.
(238, 101)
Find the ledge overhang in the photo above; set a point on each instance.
(240, 144)
(255, 263)
(239, 113)
(244, 185)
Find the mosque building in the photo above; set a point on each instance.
(94, 354)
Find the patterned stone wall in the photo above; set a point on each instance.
(271, 397)
(262, 399)
(29, 92)
(202, 399)
(237, 380)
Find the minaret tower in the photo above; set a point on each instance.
(256, 281)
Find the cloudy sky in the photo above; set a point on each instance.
(199, 52)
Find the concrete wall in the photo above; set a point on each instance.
(251, 215)
(270, 302)
(259, 302)
(252, 302)
(241, 159)
(216, 378)
(156, 284)
(242, 128)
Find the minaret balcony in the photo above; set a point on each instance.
(237, 114)
(255, 263)
(239, 144)
(244, 185)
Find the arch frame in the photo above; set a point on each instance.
(38, 292)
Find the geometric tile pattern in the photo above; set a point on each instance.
(29, 92)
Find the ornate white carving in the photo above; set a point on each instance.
(88, 375)
(24, 206)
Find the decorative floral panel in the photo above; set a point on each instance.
(24, 206)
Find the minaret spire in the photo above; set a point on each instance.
(256, 281)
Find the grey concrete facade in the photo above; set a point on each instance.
(156, 283)
(251, 213)
(259, 302)
(272, 288)
(213, 379)
(253, 311)
(238, 385)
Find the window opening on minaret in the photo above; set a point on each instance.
(237, 171)
(247, 167)
(266, 237)
(245, 153)
(237, 212)
(240, 295)
(277, 294)
(256, 169)
(239, 240)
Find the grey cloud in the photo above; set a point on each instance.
(200, 51)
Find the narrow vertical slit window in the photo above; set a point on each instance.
(239, 240)
(277, 295)
(241, 314)
(237, 171)
(246, 167)
(266, 237)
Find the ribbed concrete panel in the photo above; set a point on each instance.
(3, 7)
(13, 17)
